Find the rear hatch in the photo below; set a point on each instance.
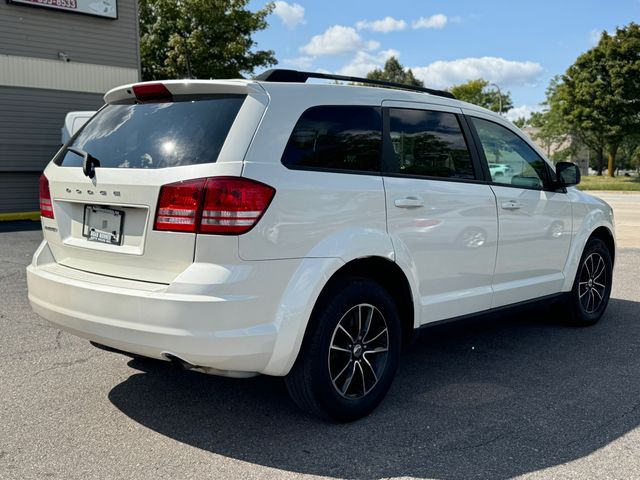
(105, 183)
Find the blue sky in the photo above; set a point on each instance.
(518, 45)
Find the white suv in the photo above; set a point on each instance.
(268, 226)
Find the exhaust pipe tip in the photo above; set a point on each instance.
(184, 365)
(177, 361)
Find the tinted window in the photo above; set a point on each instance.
(511, 160)
(157, 135)
(428, 143)
(336, 138)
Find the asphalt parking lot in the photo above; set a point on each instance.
(519, 396)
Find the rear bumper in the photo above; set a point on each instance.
(205, 324)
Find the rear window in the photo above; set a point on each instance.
(336, 138)
(428, 143)
(157, 135)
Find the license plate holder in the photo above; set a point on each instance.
(102, 224)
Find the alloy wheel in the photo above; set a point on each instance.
(592, 283)
(358, 351)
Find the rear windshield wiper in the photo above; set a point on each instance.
(89, 163)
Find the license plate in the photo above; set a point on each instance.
(103, 225)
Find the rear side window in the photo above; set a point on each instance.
(427, 143)
(336, 138)
(157, 135)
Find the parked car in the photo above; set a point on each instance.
(74, 121)
(270, 226)
(499, 170)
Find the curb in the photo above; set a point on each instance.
(613, 192)
(10, 217)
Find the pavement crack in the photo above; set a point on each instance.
(59, 365)
(484, 443)
(21, 352)
(31, 322)
(58, 339)
(10, 274)
(600, 427)
(13, 262)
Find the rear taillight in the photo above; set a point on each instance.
(46, 207)
(233, 205)
(217, 205)
(179, 206)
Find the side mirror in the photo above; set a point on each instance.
(568, 174)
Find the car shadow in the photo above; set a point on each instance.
(496, 398)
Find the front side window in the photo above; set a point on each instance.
(336, 138)
(511, 161)
(428, 143)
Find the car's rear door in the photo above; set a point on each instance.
(534, 217)
(441, 214)
(105, 224)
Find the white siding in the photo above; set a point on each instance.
(58, 75)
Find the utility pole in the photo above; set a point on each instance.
(499, 97)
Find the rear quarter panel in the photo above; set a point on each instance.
(314, 213)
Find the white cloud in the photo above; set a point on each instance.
(444, 74)
(522, 111)
(299, 62)
(291, 14)
(337, 40)
(364, 62)
(434, 21)
(386, 25)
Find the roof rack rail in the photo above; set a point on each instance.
(284, 75)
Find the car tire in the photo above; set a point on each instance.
(592, 286)
(350, 353)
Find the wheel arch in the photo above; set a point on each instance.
(604, 234)
(390, 276)
(602, 230)
(315, 279)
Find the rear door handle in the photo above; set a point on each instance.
(409, 202)
(511, 205)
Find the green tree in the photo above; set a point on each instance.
(550, 126)
(558, 124)
(634, 162)
(629, 152)
(393, 71)
(200, 38)
(599, 95)
(481, 93)
(520, 122)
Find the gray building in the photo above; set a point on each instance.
(55, 59)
